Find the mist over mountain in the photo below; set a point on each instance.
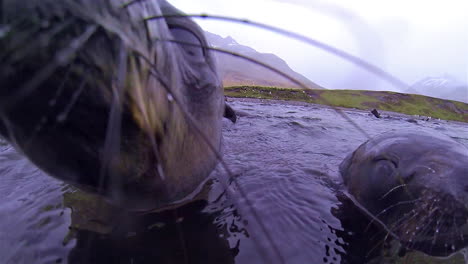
(238, 71)
(445, 87)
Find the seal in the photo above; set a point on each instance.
(101, 97)
(415, 185)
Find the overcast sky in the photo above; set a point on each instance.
(411, 39)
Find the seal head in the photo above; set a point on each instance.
(96, 94)
(416, 186)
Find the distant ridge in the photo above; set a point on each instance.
(237, 71)
(445, 87)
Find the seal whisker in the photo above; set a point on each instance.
(277, 71)
(403, 220)
(61, 58)
(456, 231)
(61, 86)
(391, 190)
(391, 229)
(421, 232)
(381, 243)
(113, 133)
(374, 69)
(129, 3)
(313, 42)
(25, 44)
(397, 204)
(61, 117)
(76, 94)
(437, 230)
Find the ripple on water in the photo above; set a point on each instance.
(33, 223)
(282, 164)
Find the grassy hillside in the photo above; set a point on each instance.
(389, 101)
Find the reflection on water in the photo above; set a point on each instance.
(183, 236)
(285, 158)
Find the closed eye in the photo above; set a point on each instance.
(386, 158)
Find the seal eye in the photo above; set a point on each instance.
(384, 168)
(387, 159)
(190, 43)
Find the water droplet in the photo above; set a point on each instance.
(170, 98)
(161, 172)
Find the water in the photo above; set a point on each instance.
(285, 159)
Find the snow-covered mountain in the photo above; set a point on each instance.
(445, 87)
(238, 71)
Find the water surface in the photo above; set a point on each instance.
(283, 205)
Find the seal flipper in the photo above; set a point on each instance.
(229, 113)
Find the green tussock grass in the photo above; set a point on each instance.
(410, 104)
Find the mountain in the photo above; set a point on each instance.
(238, 71)
(445, 87)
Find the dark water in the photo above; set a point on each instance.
(285, 160)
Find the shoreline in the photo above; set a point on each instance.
(384, 114)
(414, 106)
